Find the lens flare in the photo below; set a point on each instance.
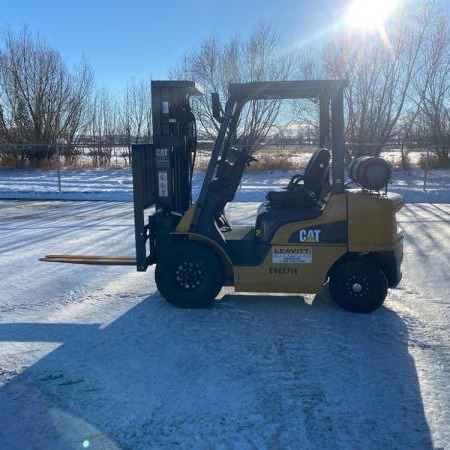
(368, 14)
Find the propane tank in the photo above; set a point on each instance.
(370, 172)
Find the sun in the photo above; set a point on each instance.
(368, 14)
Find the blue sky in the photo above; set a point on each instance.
(144, 39)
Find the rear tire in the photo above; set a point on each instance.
(358, 286)
(190, 276)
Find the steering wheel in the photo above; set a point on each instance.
(295, 182)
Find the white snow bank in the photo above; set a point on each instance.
(115, 184)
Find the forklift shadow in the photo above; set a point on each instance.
(267, 301)
(252, 371)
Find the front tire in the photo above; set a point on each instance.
(358, 286)
(190, 276)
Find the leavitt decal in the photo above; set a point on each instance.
(291, 254)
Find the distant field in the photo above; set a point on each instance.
(279, 158)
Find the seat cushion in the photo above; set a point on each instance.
(299, 198)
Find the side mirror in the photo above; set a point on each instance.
(216, 107)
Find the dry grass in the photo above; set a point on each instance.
(296, 158)
(263, 163)
(274, 162)
(268, 159)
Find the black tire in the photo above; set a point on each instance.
(358, 286)
(190, 276)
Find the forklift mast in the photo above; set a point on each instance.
(162, 171)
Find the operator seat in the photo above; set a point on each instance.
(305, 191)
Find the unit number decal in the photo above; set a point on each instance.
(283, 271)
(290, 254)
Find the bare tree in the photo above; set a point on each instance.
(381, 69)
(216, 64)
(41, 102)
(104, 123)
(135, 120)
(432, 89)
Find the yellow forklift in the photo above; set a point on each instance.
(316, 231)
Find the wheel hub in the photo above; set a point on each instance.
(357, 286)
(189, 275)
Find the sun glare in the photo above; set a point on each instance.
(369, 14)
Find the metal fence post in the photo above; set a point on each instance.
(425, 179)
(58, 165)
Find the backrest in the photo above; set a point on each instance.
(316, 171)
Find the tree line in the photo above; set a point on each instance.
(46, 108)
(399, 90)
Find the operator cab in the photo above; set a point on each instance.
(305, 196)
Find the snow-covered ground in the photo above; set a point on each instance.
(93, 357)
